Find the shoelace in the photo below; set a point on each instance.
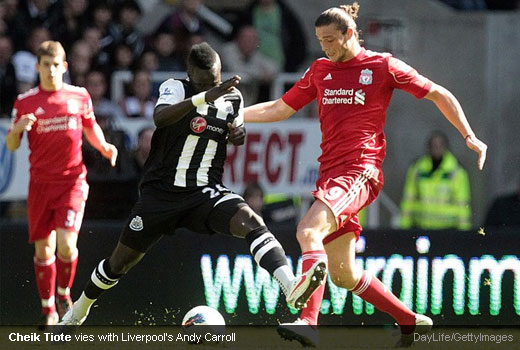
(282, 286)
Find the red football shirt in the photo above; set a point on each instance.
(56, 137)
(353, 97)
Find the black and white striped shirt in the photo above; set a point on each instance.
(191, 152)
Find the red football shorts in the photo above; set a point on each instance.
(347, 194)
(52, 205)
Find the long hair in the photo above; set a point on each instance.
(343, 17)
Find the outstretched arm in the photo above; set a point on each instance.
(452, 110)
(96, 138)
(268, 112)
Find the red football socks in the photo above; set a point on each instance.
(372, 290)
(311, 312)
(46, 282)
(66, 269)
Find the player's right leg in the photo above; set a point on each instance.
(317, 223)
(45, 270)
(41, 232)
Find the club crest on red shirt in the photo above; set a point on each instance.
(198, 124)
(365, 77)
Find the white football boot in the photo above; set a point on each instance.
(69, 319)
(300, 331)
(306, 284)
(423, 324)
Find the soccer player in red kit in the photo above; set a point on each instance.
(55, 115)
(353, 87)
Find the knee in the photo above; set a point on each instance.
(67, 251)
(344, 277)
(245, 221)
(307, 236)
(44, 252)
(120, 266)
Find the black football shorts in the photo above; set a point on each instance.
(204, 210)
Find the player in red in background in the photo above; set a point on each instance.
(54, 114)
(353, 87)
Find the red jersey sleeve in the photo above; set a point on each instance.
(303, 92)
(406, 78)
(88, 118)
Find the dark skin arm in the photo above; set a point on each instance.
(168, 115)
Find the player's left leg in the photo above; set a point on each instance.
(236, 217)
(105, 276)
(345, 273)
(45, 270)
(69, 207)
(66, 263)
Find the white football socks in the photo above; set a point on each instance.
(285, 278)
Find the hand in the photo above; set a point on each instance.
(25, 123)
(237, 135)
(478, 146)
(110, 153)
(222, 89)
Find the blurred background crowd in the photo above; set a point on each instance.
(257, 39)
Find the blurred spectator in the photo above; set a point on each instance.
(254, 197)
(37, 12)
(69, 21)
(183, 22)
(113, 190)
(165, 46)
(437, 190)
(25, 61)
(281, 35)
(149, 61)
(280, 212)
(7, 78)
(102, 20)
(505, 210)
(140, 104)
(123, 58)
(140, 154)
(12, 23)
(241, 56)
(125, 30)
(80, 62)
(99, 52)
(97, 87)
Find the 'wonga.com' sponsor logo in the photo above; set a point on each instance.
(6, 162)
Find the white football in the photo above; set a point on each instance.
(202, 320)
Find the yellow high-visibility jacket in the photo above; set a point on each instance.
(438, 199)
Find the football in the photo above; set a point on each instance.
(203, 324)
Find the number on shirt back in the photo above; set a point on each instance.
(214, 193)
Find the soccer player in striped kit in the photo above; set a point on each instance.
(353, 87)
(55, 116)
(182, 184)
